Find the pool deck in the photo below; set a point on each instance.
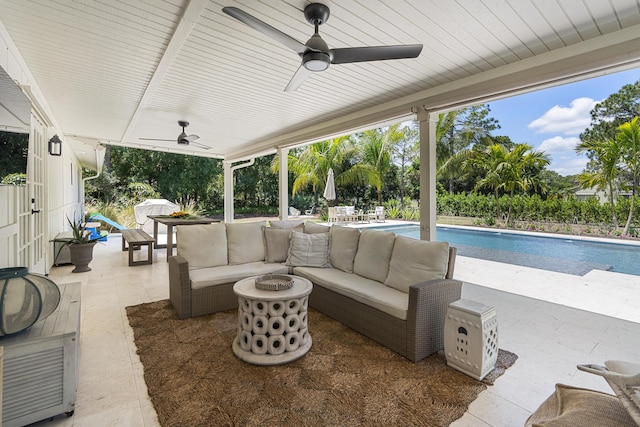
(602, 292)
(550, 320)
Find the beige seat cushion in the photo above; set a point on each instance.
(203, 245)
(361, 289)
(245, 242)
(571, 407)
(374, 254)
(311, 250)
(343, 247)
(212, 276)
(416, 261)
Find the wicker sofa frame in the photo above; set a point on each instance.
(196, 302)
(415, 338)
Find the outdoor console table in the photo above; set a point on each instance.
(170, 222)
(272, 327)
(40, 372)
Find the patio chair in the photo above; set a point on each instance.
(310, 211)
(379, 214)
(341, 214)
(624, 380)
(293, 212)
(333, 215)
(580, 406)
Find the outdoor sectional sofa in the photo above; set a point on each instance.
(393, 289)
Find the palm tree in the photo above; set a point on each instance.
(456, 132)
(628, 138)
(605, 155)
(376, 146)
(509, 170)
(311, 166)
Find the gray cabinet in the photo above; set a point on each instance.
(40, 371)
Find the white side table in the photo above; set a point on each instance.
(272, 325)
(471, 338)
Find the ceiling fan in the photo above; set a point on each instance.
(183, 138)
(315, 53)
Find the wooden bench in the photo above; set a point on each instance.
(136, 239)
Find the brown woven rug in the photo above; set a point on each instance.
(346, 379)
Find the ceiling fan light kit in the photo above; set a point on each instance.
(316, 61)
(315, 53)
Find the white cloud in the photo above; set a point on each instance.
(564, 158)
(565, 120)
(559, 145)
(569, 166)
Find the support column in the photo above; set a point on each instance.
(427, 122)
(283, 182)
(228, 186)
(228, 192)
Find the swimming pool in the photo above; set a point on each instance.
(561, 254)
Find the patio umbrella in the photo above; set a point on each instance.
(330, 188)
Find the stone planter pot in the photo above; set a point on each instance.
(81, 255)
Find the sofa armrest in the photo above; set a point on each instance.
(180, 286)
(428, 304)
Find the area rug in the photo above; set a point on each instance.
(346, 379)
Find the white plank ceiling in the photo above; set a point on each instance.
(115, 71)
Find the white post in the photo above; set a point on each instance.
(228, 192)
(283, 182)
(427, 174)
(228, 186)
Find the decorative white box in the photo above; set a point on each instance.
(471, 338)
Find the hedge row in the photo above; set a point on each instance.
(534, 208)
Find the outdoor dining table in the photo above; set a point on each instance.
(170, 222)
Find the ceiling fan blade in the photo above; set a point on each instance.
(197, 144)
(191, 138)
(157, 139)
(265, 28)
(374, 53)
(298, 78)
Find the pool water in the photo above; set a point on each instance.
(564, 255)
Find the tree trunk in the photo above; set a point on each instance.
(613, 207)
(628, 224)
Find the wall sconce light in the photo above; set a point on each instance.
(55, 146)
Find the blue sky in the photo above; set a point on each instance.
(552, 119)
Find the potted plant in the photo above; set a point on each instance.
(80, 245)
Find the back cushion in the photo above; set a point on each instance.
(344, 245)
(297, 224)
(415, 261)
(245, 242)
(312, 228)
(276, 243)
(203, 245)
(374, 254)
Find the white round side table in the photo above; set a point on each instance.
(272, 325)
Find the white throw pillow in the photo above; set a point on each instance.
(245, 242)
(416, 261)
(203, 245)
(309, 250)
(276, 243)
(374, 254)
(344, 245)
